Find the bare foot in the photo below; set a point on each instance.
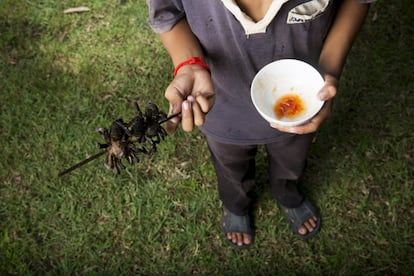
(239, 239)
(304, 220)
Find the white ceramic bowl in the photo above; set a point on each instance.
(282, 79)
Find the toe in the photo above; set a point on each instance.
(239, 239)
(308, 226)
(232, 237)
(302, 230)
(247, 239)
(312, 221)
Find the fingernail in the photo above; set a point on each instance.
(190, 98)
(186, 105)
(174, 120)
(174, 109)
(322, 95)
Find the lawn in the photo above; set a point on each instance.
(64, 75)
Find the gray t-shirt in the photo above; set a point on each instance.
(235, 54)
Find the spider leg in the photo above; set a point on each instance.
(119, 164)
(132, 157)
(141, 149)
(113, 165)
(162, 132)
(153, 145)
(108, 162)
(124, 127)
(135, 156)
(116, 169)
(102, 146)
(162, 116)
(132, 154)
(156, 139)
(105, 134)
(137, 107)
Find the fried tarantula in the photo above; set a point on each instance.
(121, 140)
(117, 146)
(147, 127)
(126, 140)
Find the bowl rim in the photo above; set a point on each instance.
(280, 62)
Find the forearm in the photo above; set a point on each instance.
(181, 43)
(191, 92)
(339, 41)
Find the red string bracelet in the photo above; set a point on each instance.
(193, 60)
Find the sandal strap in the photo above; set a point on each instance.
(299, 215)
(235, 223)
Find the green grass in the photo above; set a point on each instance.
(62, 76)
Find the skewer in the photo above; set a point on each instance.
(169, 118)
(83, 162)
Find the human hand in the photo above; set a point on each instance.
(327, 93)
(191, 93)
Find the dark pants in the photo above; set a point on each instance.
(235, 169)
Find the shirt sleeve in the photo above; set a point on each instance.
(164, 14)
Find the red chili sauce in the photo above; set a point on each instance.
(288, 106)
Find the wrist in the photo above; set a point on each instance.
(192, 61)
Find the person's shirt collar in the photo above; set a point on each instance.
(249, 26)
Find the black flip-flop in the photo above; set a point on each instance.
(299, 215)
(239, 224)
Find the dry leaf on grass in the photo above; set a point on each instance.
(76, 10)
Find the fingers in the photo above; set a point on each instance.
(187, 121)
(175, 97)
(205, 100)
(192, 94)
(198, 113)
(192, 114)
(310, 126)
(171, 125)
(328, 91)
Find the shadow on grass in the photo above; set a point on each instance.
(360, 171)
